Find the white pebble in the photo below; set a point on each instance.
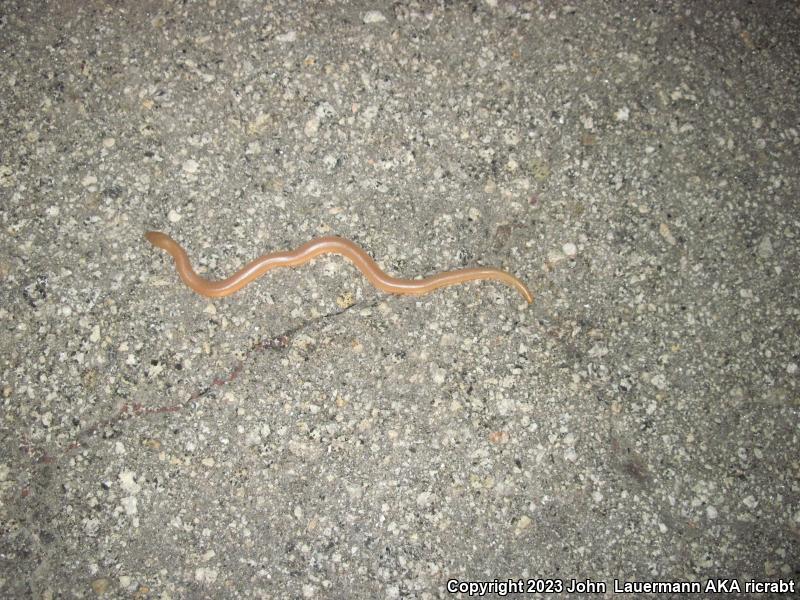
(524, 522)
(791, 368)
(174, 216)
(287, 37)
(127, 480)
(190, 166)
(425, 499)
(311, 127)
(88, 180)
(109, 142)
(622, 114)
(569, 249)
(374, 16)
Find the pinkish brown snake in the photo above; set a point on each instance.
(324, 245)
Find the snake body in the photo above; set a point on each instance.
(324, 245)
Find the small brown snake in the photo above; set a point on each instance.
(324, 245)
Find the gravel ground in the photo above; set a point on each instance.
(636, 164)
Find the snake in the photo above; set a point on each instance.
(325, 245)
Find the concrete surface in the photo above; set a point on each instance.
(310, 437)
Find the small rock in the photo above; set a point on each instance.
(663, 229)
(100, 586)
(312, 126)
(569, 249)
(425, 499)
(174, 216)
(190, 166)
(499, 437)
(374, 16)
(346, 300)
(205, 575)
(438, 374)
(127, 481)
(288, 37)
(523, 523)
(765, 247)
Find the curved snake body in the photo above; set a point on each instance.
(324, 245)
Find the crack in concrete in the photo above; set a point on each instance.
(129, 410)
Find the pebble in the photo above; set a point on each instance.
(205, 575)
(100, 586)
(569, 249)
(765, 247)
(438, 374)
(523, 523)
(190, 166)
(174, 216)
(374, 16)
(286, 38)
(312, 126)
(425, 499)
(665, 233)
(127, 480)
